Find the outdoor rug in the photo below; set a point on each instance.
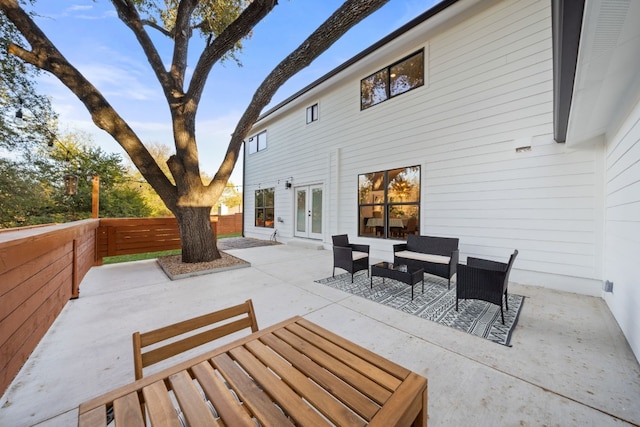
(437, 304)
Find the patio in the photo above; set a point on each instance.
(569, 364)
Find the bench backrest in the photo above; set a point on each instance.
(215, 325)
(432, 245)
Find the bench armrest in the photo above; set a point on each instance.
(399, 247)
(359, 247)
(486, 264)
(453, 262)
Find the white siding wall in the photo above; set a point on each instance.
(488, 91)
(622, 227)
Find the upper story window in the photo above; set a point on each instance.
(258, 142)
(389, 203)
(312, 113)
(398, 78)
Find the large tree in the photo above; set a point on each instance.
(224, 24)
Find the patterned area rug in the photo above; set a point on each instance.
(437, 304)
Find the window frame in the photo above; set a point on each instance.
(313, 113)
(258, 142)
(388, 78)
(263, 212)
(385, 204)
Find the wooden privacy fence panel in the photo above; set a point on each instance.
(40, 270)
(125, 236)
(228, 224)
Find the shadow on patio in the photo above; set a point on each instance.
(569, 363)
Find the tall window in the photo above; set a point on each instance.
(258, 142)
(389, 203)
(312, 113)
(264, 207)
(393, 80)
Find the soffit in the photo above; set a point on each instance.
(607, 80)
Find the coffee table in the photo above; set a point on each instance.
(401, 272)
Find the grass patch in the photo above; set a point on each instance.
(152, 255)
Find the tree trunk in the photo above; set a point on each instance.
(197, 237)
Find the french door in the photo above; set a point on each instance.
(309, 212)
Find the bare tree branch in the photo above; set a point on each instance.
(128, 14)
(157, 27)
(238, 29)
(349, 14)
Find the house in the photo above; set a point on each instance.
(510, 124)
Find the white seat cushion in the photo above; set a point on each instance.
(438, 259)
(356, 255)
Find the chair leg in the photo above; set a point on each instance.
(502, 314)
(456, 304)
(449, 285)
(351, 277)
(334, 272)
(506, 300)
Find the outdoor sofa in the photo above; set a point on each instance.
(435, 255)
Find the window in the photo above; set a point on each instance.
(312, 113)
(264, 207)
(258, 142)
(389, 203)
(396, 79)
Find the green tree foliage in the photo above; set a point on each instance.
(231, 197)
(33, 192)
(152, 200)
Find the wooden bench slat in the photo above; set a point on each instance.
(162, 412)
(231, 412)
(127, 411)
(370, 388)
(193, 405)
(254, 398)
(315, 395)
(385, 364)
(96, 417)
(355, 400)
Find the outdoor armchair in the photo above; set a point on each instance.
(484, 280)
(349, 256)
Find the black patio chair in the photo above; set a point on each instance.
(484, 280)
(349, 256)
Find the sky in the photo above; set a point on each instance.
(97, 43)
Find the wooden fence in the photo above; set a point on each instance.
(41, 269)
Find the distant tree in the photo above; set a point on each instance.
(160, 154)
(223, 25)
(75, 153)
(22, 196)
(231, 197)
(18, 95)
(32, 192)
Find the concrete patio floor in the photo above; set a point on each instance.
(569, 364)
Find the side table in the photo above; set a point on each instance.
(401, 272)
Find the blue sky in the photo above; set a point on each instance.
(96, 42)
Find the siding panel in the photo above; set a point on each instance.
(622, 226)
